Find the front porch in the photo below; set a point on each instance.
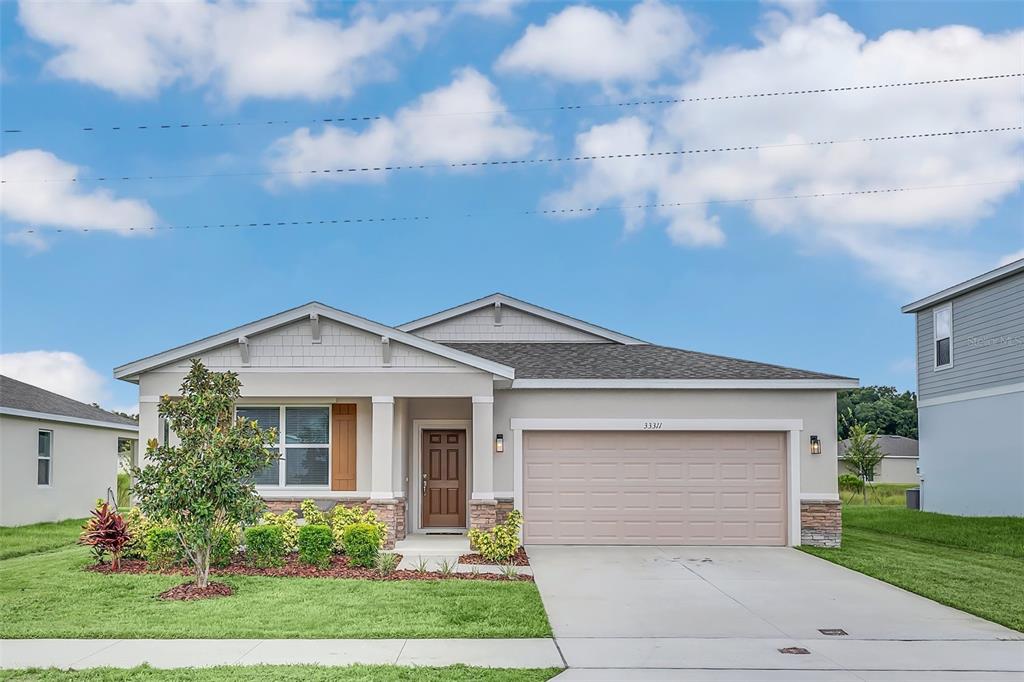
(424, 465)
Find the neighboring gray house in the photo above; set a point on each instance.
(57, 455)
(899, 464)
(970, 399)
(449, 421)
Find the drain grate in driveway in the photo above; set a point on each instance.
(794, 650)
(833, 632)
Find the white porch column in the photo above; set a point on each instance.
(483, 448)
(381, 463)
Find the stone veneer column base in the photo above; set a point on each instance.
(504, 507)
(821, 523)
(392, 513)
(483, 514)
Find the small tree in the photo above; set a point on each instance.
(206, 481)
(863, 455)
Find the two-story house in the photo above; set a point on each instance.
(970, 378)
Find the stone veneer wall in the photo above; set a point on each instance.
(483, 514)
(504, 507)
(390, 512)
(821, 523)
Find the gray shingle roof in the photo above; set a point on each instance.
(618, 361)
(21, 396)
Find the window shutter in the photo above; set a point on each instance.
(343, 446)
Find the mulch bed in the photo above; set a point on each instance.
(339, 568)
(191, 592)
(518, 559)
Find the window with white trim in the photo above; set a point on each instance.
(942, 326)
(303, 447)
(44, 458)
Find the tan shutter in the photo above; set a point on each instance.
(343, 446)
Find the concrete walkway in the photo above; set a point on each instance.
(180, 653)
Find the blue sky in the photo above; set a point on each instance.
(811, 283)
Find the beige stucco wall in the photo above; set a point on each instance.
(817, 409)
(84, 465)
(895, 470)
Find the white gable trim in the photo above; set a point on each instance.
(503, 300)
(131, 370)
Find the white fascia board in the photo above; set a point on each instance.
(693, 384)
(131, 370)
(525, 307)
(962, 288)
(29, 414)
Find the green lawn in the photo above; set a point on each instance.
(48, 595)
(285, 673)
(970, 563)
(39, 537)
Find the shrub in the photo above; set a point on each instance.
(312, 515)
(315, 545)
(264, 545)
(138, 527)
(850, 483)
(289, 527)
(106, 532)
(500, 543)
(225, 545)
(342, 517)
(163, 547)
(386, 564)
(362, 544)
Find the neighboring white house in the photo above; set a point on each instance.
(57, 455)
(449, 421)
(899, 462)
(970, 395)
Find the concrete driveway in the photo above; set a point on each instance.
(705, 613)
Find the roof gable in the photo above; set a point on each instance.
(484, 320)
(306, 313)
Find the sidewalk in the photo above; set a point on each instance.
(180, 653)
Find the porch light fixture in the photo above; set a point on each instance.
(815, 445)
(499, 443)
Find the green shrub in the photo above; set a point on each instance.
(138, 527)
(264, 545)
(362, 544)
(850, 483)
(163, 547)
(289, 527)
(501, 542)
(315, 545)
(342, 517)
(312, 515)
(225, 545)
(386, 564)
(124, 484)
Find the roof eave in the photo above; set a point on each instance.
(836, 384)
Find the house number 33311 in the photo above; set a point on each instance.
(652, 426)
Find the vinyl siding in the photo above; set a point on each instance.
(988, 341)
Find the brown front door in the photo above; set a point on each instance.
(444, 479)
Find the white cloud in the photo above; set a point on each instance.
(63, 205)
(58, 371)
(1010, 258)
(897, 236)
(242, 50)
(424, 132)
(584, 44)
(488, 9)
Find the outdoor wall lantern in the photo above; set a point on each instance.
(815, 445)
(499, 443)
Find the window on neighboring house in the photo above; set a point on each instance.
(44, 458)
(943, 330)
(303, 444)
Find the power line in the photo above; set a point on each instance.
(541, 212)
(521, 162)
(193, 125)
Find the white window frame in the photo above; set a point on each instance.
(48, 458)
(282, 447)
(936, 338)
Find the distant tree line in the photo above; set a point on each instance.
(879, 409)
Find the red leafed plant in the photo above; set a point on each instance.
(106, 532)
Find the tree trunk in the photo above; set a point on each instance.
(864, 489)
(202, 566)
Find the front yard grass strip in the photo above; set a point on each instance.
(50, 596)
(994, 534)
(985, 584)
(286, 673)
(18, 541)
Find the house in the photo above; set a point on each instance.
(970, 378)
(451, 420)
(899, 459)
(57, 455)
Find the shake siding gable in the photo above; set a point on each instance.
(480, 326)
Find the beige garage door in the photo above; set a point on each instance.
(639, 487)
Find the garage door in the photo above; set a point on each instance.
(639, 487)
